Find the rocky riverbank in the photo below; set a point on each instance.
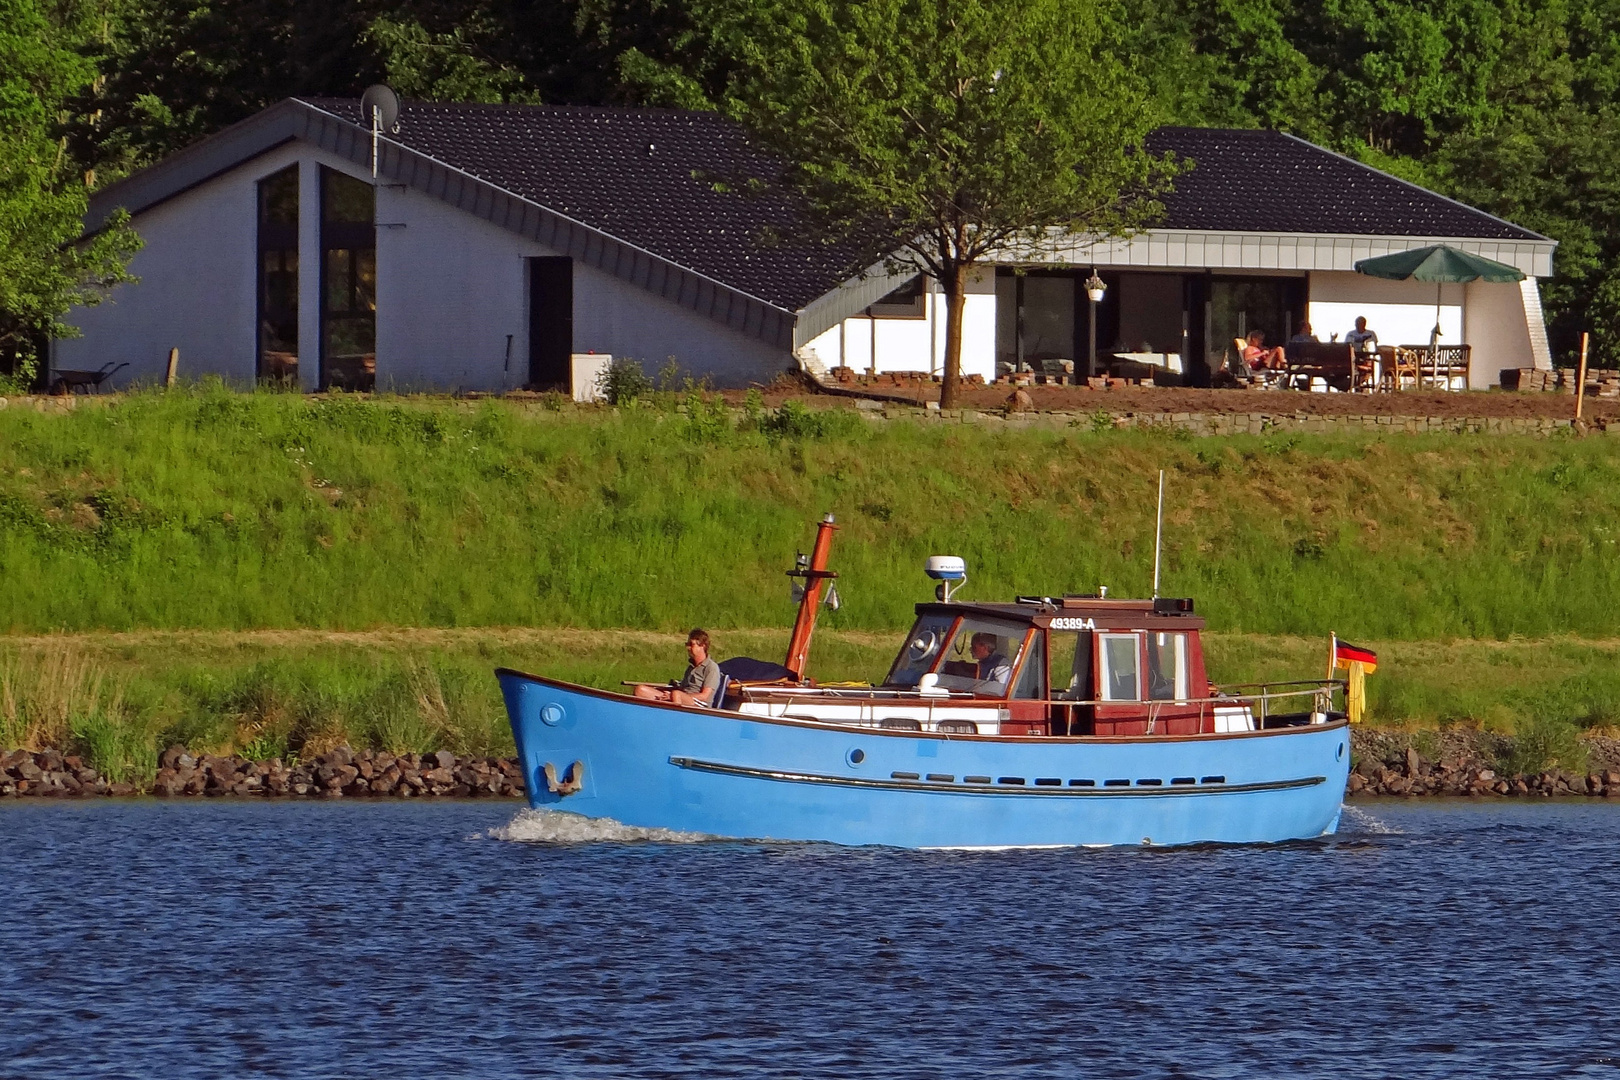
(1387, 763)
(339, 773)
(1424, 763)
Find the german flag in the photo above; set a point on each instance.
(1345, 654)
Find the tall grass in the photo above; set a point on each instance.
(213, 509)
(120, 699)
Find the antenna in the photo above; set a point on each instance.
(1158, 535)
(380, 108)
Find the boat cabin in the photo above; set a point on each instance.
(1079, 665)
(1068, 666)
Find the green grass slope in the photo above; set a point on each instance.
(211, 509)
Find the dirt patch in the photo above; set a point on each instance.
(1138, 399)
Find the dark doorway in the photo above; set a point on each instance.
(551, 322)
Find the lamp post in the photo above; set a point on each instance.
(1095, 288)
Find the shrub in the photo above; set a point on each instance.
(623, 381)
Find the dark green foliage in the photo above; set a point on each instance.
(1507, 105)
(43, 274)
(623, 381)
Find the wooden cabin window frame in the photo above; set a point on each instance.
(1034, 643)
(1182, 680)
(1105, 667)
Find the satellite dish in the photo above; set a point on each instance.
(379, 105)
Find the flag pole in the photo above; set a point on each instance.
(1158, 535)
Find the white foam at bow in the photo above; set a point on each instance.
(561, 827)
(1366, 823)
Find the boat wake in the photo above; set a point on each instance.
(1360, 821)
(560, 827)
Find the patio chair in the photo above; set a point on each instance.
(1400, 368)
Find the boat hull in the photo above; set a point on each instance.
(726, 774)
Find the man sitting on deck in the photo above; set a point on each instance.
(697, 685)
(993, 669)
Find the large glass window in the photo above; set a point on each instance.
(348, 283)
(981, 656)
(1167, 667)
(1120, 672)
(278, 276)
(1239, 306)
(921, 650)
(1035, 319)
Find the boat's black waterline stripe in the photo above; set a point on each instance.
(991, 789)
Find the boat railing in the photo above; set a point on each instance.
(1259, 697)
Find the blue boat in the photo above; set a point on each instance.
(1045, 722)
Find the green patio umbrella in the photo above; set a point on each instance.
(1440, 264)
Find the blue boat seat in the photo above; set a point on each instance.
(719, 701)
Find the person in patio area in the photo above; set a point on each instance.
(1256, 355)
(1362, 339)
(697, 685)
(1303, 335)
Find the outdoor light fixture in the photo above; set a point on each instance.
(1095, 288)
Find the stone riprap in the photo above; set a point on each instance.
(1468, 763)
(339, 773)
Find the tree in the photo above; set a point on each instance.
(44, 268)
(933, 135)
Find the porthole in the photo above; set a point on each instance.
(1340, 755)
(855, 756)
(552, 714)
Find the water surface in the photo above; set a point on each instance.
(210, 939)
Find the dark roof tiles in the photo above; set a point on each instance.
(645, 176)
(1265, 181)
(648, 177)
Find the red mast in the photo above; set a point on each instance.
(814, 574)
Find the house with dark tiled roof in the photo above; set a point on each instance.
(497, 246)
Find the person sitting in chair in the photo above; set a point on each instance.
(697, 686)
(1256, 355)
(1303, 336)
(1362, 339)
(992, 671)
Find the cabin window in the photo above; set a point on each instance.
(981, 656)
(1070, 672)
(1167, 667)
(1120, 667)
(1029, 675)
(921, 650)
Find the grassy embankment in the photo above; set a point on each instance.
(1484, 568)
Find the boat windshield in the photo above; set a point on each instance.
(980, 656)
(921, 650)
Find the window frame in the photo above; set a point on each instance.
(1105, 667)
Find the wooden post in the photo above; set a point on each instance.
(1580, 378)
(174, 365)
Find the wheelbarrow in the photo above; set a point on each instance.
(82, 382)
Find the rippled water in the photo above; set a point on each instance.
(214, 939)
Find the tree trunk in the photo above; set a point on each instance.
(955, 285)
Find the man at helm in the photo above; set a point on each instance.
(993, 670)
